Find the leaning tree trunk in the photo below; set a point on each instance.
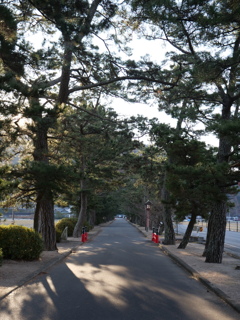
(82, 215)
(188, 232)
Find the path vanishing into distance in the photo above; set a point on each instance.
(119, 275)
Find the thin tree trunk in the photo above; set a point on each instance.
(188, 232)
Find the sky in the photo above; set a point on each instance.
(126, 109)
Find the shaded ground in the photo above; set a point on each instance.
(223, 278)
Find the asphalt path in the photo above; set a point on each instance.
(120, 275)
(232, 242)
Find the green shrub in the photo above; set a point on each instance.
(66, 222)
(19, 243)
(1, 257)
(58, 234)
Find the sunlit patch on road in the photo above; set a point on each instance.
(103, 282)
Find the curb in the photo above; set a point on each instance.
(207, 283)
(196, 275)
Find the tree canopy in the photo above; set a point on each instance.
(60, 64)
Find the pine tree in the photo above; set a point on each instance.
(204, 37)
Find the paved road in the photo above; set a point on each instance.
(118, 276)
(232, 242)
(232, 238)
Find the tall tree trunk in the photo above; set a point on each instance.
(44, 212)
(188, 232)
(216, 233)
(169, 235)
(92, 217)
(217, 228)
(36, 218)
(209, 232)
(45, 224)
(82, 214)
(65, 76)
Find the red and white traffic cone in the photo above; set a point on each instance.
(86, 235)
(156, 237)
(153, 234)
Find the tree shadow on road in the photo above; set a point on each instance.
(108, 280)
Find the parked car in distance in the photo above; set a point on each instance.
(119, 216)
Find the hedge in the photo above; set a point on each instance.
(66, 222)
(70, 223)
(20, 243)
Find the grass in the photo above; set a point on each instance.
(18, 222)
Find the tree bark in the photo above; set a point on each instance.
(66, 70)
(36, 216)
(82, 214)
(44, 212)
(45, 224)
(169, 235)
(188, 232)
(209, 232)
(216, 234)
(217, 227)
(92, 217)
